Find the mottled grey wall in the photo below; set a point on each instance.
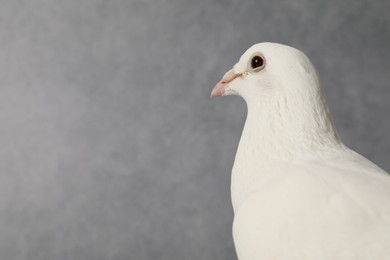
(110, 145)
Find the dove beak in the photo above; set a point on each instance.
(219, 89)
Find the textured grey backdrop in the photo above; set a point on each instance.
(110, 145)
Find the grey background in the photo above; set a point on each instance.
(110, 145)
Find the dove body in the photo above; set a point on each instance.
(297, 191)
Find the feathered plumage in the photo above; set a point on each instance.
(298, 192)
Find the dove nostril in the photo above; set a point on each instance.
(230, 77)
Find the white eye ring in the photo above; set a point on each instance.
(256, 63)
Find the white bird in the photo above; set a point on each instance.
(298, 192)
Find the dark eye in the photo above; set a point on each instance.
(257, 62)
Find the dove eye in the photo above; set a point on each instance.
(256, 63)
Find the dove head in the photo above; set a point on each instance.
(267, 71)
(286, 104)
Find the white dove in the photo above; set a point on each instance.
(298, 192)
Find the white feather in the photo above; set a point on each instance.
(298, 193)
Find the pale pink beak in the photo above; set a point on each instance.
(219, 89)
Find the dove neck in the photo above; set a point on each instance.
(277, 135)
(276, 131)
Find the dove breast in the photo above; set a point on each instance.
(338, 209)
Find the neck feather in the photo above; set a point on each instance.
(275, 135)
(278, 130)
